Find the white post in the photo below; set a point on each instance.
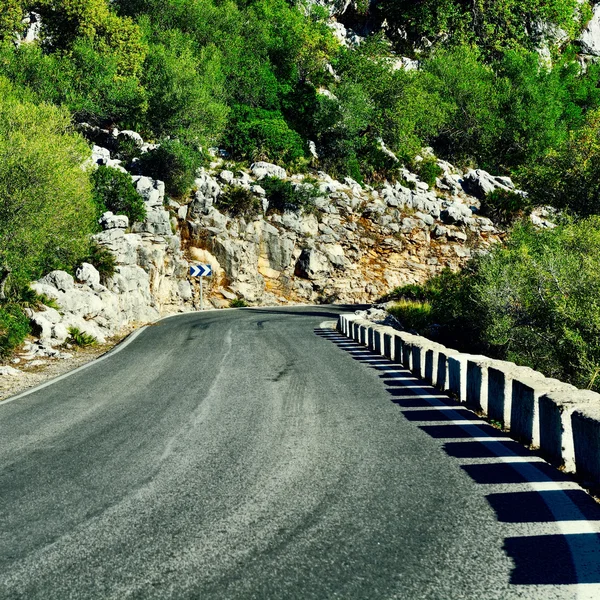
(201, 297)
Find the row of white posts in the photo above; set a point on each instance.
(554, 417)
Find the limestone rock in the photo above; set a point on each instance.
(312, 264)
(110, 221)
(480, 183)
(590, 37)
(261, 169)
(59, 280)
(88, 274)
(151, 190)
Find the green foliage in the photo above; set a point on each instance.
(412, 314)
(532, 302)
(429, 170)
(11, 15)
(505, 207)
(103, 259)
(495, 25)
(113, 190)
(186, 88)
(283, 195)
(80, 338)
(568, 177)
(173, 162)
(66, 21)
(259, 134)
(240, 201)
(406, 292)
(238, 303)
(46, 209)
(25, 297)
(14, 328)
(83, 80)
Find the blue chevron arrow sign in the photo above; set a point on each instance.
(200, 270)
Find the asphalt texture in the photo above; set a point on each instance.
(257, 454)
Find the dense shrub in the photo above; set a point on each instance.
(239, 201)
(14, 328)
(505, 207)
(103, 259)
(568, 177)
(283, 195)
(258, 134)
(429, 170)
(173, 162)
(531, 302)
(494, 25)
(46, 208)
(113, 190)
(412, 314)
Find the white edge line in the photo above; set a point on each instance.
(121, 346)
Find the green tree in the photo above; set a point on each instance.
(46, 210)
(568, 177)
(114, 191)
(11, 15)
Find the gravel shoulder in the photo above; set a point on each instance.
(31, 375)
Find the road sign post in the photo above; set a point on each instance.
(201, 271)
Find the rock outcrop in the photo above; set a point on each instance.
(352, 244)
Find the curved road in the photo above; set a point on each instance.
(253, 454)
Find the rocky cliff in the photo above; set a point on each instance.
(353, 245)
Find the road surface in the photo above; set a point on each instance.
(255, 454)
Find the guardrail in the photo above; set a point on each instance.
(554, 417)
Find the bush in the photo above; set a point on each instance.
(282, 195)
(412, 314)
(173, 162)
(429, 170)
(103, 259)
(530, 302)
(238, 303)
(80, 338)
(239, 201)
(568, 177)
(113, 190)
(505, 207)
(46, 207)
(14, 328)
(259, 134)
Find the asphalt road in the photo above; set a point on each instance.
(251, 454)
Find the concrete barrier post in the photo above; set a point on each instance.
(586, 442)
(363, 335)
(477, 383)
(524, 415)
(398, 344)
(457, 376)
(378, 341)
(371, 337)
(556, 429)
(499, 396)
(442, 380)
(388, 346)
(431, 357)
(407, 354)
(417, 360)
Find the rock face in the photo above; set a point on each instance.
(353, 245)
(590, 37)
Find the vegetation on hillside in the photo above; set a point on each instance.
(263, 78)
(533, 302)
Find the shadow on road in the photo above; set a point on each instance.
(569, 550)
